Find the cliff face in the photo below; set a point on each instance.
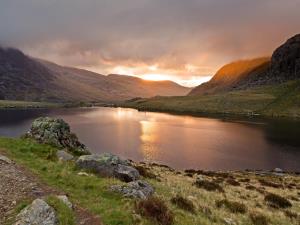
(284, 65)
(285, 62)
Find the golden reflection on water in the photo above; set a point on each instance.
(149, 137)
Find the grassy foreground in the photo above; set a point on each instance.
(272, 101)
(218, 198)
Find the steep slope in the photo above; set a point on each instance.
(22, 78)
(285, 62)
(284, 65)
(26, 78)
(236, 75)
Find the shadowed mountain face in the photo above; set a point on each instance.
(25, 78)
(284, 65)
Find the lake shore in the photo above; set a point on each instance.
(214, 196)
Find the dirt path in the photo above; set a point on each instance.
(17, 184)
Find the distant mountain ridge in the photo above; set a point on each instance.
(26, 78)
(284, 65)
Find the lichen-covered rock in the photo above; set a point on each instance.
(39, 212)
(108, 165)
(56, 132)
(135, 189)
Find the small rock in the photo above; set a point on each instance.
(278, 170)
(135, 189)
(200, 178)
(83, 174)
(126, 173)
(65, 200)
(5, 159)
(229, 221)
(108, 165)
(39, 212)
(64, 156)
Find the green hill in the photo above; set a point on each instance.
(269, 100)
(250, 87)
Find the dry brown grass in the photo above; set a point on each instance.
(258, 218)
(209, 185)
(277, 201)
(232, 206)
(155, 209)
(183, 203)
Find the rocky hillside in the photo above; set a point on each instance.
(284, 65)
(29, 79)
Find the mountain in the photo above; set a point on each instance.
(262, 86)
(284, 65)
(236, 75)
(26, 78)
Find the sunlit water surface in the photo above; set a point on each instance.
(178, 141)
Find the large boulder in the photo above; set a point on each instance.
(285, 62)
(135, 189)
(39, 212)
(56, 132)
(108, 165)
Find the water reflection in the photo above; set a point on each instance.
(179, 141)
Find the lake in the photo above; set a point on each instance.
(178, 141)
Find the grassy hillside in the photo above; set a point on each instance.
(272, 100)
(23, 78)
(237, 75)
(244, 198)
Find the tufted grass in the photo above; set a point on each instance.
(65, 214)
(92, 192)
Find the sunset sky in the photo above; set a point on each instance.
(182, 40)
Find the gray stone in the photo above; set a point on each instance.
(126, 173)
(135, 189)
(5, 159)
(108, 165)
(38, 213)
(56, 132)
(65, 200)
(278, 170)
(64, 156)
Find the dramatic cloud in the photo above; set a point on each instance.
(186, 41)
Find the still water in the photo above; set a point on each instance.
(176, 140)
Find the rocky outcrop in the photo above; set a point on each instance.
(135, 189)
(39, 212)
(108, 165)
(56, 132)
(285, 62)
